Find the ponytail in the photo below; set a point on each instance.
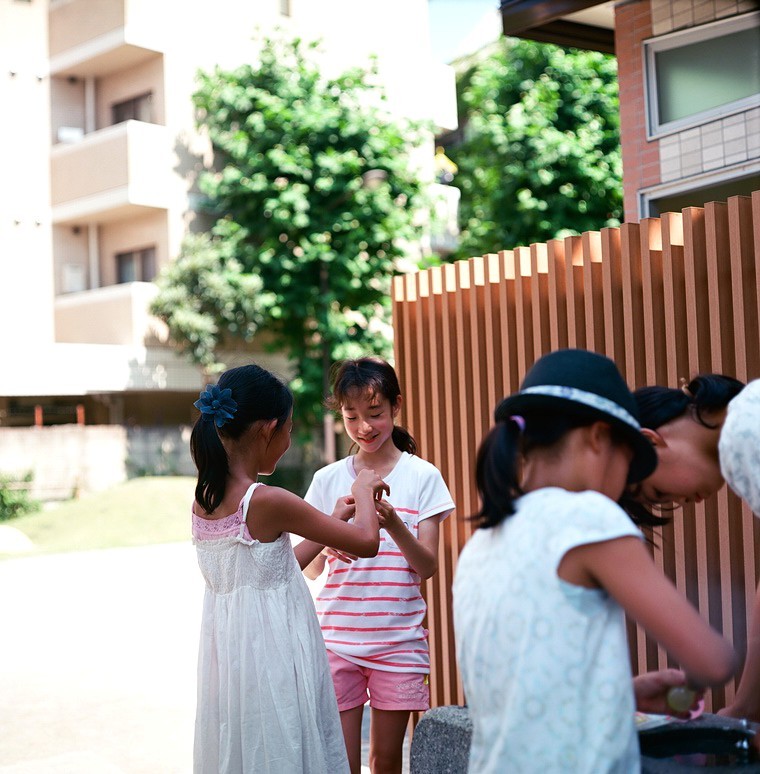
(496, 474)
(403, 440)
(211, 460)
(497, 467)
(704, 394)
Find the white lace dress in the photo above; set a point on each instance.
(266, 701)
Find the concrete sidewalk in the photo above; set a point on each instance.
(98, 658)
(97, 661)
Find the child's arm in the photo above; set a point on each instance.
(746, 703)
(309, 553)
(277, 510)
(420, 552)
(313, 569)
(624, 568)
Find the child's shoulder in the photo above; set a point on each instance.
(587, 501)
(417, 465)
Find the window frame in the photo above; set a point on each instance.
(138, 255)
(645, 196)
(653, 46)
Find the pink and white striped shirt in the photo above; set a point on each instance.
(371, 611)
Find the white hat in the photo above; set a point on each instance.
(739, 445)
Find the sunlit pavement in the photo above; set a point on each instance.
(98, 660)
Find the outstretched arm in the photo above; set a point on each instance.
(746, 703)
(308, 552)
(624, 568)
(278, 510)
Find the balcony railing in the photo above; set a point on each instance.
(111, 173)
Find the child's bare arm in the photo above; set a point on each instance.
(624, 568)
(420, 552)
(277, 510)
(746, 703)
(309, 553)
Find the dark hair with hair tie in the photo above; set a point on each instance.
(373, 375)
(496, 469)
(703, 395)
(246, 395)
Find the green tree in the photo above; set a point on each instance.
(314, 199)
(541, 151)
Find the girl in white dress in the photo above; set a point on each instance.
(542, 586)
(265, 698)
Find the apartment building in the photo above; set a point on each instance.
(689, 73)
(101, 158)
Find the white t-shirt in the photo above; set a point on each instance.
(545, 663)
(371, 610)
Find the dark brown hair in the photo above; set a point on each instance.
(373, 375)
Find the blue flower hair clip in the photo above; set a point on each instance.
(217, 404)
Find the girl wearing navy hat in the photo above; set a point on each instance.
(542, 586)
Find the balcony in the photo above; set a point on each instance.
(121, 34)
(116, 314)
(118, 172)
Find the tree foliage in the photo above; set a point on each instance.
(541, 155)
(313, 196)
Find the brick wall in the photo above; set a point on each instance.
(725, 142)
(641, 159)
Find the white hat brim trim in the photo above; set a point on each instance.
(590, 399)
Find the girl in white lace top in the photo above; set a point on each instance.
(265, 698)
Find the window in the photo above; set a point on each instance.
(138, 108)
(707, 188)
(701, 73)
(136, 266)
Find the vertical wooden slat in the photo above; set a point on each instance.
(614, 333)
(593, 305)
(576, 328)
(556, 283)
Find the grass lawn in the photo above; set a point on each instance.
(138, 512)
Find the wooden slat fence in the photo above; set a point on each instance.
(666, 298)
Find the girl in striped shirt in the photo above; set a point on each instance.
(371, 610)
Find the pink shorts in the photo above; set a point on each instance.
(386, 690)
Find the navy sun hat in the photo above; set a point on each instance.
(585, 384)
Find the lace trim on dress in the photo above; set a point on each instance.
(227, 526)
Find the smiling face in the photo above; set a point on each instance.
(688, 468)
(368, 418)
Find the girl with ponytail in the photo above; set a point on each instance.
(265, 698)
(541, 588)
(371, 610)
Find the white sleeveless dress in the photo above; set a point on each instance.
(266, 701)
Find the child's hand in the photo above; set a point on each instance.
(651, 692)
(368, 479)
(340, 555)
(387, 517)
(344, 509)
